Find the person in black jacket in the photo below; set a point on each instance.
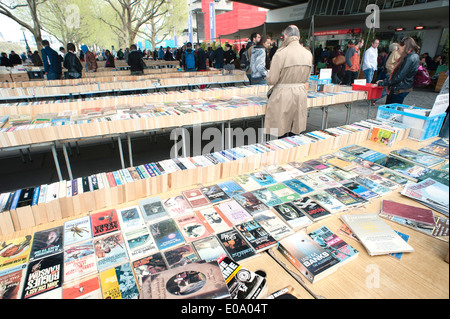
(401, 81)
(15, 58)
(219, 57)
(202, 58)
(135, 61)
(71, 63)
(109, 60)
(5, 61)
(52, 62)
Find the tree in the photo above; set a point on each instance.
(25, 13)
(132, 15)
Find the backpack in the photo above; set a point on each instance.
(189, 60)
(245, 60)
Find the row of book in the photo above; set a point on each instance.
(144, 180)
(33, 92)
(114, 76)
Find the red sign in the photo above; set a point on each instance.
(336, 32)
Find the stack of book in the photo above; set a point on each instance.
(430, 193)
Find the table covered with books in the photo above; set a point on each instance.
(242, 216)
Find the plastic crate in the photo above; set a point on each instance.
(422, 127)
(373, 91)
(316, 84)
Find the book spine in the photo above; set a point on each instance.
(35, 196)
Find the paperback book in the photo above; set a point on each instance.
(234, 212)
(311, 208)
(267, 197)
(215, 219)
(11, 281)
(235, 245)
(77, 230)
(209, 248)
(283, 192)
(214, 194)
(139, 242)
(104, 222)
(130, 217)
(153, 209)
(177, 206)
(166, 234)
(47, 242)
(15, 251)
(195, 198)
(412, 213)
(273, 224)
(83, 288)
(110, 250)
(293, 216)
(192, 227)
(119, 283)
(419, 157)
(258, 238)
(437, 148)
(360, 190)
(246, 182)
(79, 261)
(405, 168)
(250, 203)
(328, 201)
(231, 188)
(148, 265)
(180, 256)
(298, 187)
(262, 178)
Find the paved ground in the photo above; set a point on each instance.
(15, 174)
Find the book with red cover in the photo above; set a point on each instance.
(104, 222)
(196, 198)
(417, 214)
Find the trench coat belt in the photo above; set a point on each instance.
(288, 85)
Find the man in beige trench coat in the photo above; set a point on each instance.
(289, 72)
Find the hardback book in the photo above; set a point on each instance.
(235, 245)
(199, 280)
(293, 216)
(79, 261)
(148, 265)
(192, 227)
(246, 182)
(283, 192)
(359, 189)
(110, 250)
(234, 212)
(250, 203)
(177, 206)
(419, 157)
(104, 222)
(258, 238)
(298, 187)
(47, 242)
(308, 257)
(332, 243)
(209, 248)
(180, 256)
(11, 281)
(214, 193)
(437, 175)
(376, 236)
(15, 251)
(152, 209)
(406, 168)
(267, 197)
(83, 288)
(44, 278)
(242, 283)
(430, 193)
(119, 283)
(437, 148)
(139, 242)
(231, 188)
(166, 234)
(130, 217)
(273, 224)
(77, 230)
(214, 219)
(328, 201)
(440, 230)
(413, 213)
(311, 208)
(196, 199)
(262, 178)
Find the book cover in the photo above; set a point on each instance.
(376, 236)
(437, 175)
(77, 230)
(119, 283)
(298, 187)
(302, 168)
(346, 196)
(139, 242)
(209, 248)
(44, 278)
(436, 149)
(148, 265)
(418, 157)
(430, 193)
(130, 217)
(85, 288)
(311, 208)
(341, 163)
(413, 213)
(406, 168)
(166, 234)
(153, 209)
(195, 198)
(180, 256)
(263, 179)
(283, 192)
(317, 165)
(332, 243)
(267, 197)
(214, 194)
(393, 177)
(328, 201)
(250, 203)
(104, 222)
(340, 175)
(177, 206)
(79, 261)
(258, 238)
(360, 190)
(11, 282)
(199, 280)
(110, 250)
(192, 227)
(214, 219)
(47, 242)
(246, 182)
(231, 188)
(308, 257)
(15, 251)
(235, 245)
(278, 172)
(373, 186)
(234, 212)
(273, 224)
(242, 283)
(365, 153)
(383, 181)
(293, 216)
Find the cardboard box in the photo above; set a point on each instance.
(20, 77)
(5, 77)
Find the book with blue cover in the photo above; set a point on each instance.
(298, 186)
(231, 188)
(365, 153)
(267, 197)
(263, 179)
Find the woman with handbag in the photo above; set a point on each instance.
(337, 65)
